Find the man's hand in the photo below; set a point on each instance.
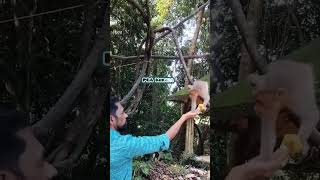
(190, 114)
(256, 168)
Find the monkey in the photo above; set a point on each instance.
(295, 81)
(199, 89)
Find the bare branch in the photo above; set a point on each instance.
(76, 139)
(134, 105)
(178, 49)
(193, 46)
(216, 33)
(135, 85)
(253, 18)
(74, 156)
(55, 115)
(247, 34)
(181, 22)
(159, 57)
(149, 42)
(294, 18)
(87, 31)
(143, 14)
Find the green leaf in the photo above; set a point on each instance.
(145, 170)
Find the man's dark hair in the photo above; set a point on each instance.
(113, 106)
(12, 146)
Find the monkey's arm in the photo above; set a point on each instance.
(193, 102)
(267, 108)
(268, 136)
(309, 121)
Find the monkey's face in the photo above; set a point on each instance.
(193, 93)
(257, 83)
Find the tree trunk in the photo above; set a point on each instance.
(217, 137)
(246, 67)
(192, 50)
(200, 148)
(54, 118)
(254, 14)
(155, 95)
(248, 34)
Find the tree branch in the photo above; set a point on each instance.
(216, 33)
(294, 18)
(175, 40)
(253, 18)
(193, 46)
(147, 54)
(87, 31)
(76, 140)
(143, 14)
(247, 34)
(135, 85)
(55, 115)
(160, 57)
(134, 105)
(182, 21)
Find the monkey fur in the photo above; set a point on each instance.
(297, 80)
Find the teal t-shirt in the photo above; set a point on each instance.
(123, 148)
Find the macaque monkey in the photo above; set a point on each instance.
(293, 84)
(199, 92)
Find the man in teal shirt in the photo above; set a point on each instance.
(123, 148)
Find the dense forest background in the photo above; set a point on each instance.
(51, 68)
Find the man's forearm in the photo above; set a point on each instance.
(174, 129)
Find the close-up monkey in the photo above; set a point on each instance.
(199, 91)
(295, 82)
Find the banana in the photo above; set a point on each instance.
(294, 145)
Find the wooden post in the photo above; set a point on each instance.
(189, 137)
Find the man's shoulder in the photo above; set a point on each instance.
(128, 137)
(121, 138)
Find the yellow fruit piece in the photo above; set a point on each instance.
(202, 107)
(294, 144)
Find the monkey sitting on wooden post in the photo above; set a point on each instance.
(293, 85)
(199, 94)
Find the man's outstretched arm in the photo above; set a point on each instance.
(138, 146)
(174, 129)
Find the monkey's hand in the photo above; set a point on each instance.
(293, 144)
(268, 104)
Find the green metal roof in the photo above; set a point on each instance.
(183, 94)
